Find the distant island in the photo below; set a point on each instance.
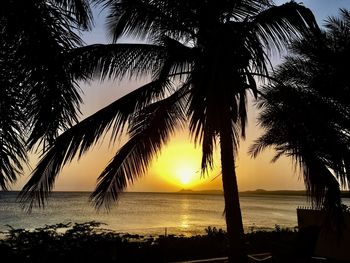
(254, 192)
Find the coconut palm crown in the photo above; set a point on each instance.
(202, 57)
(306, 112)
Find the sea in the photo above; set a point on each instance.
(153, 213)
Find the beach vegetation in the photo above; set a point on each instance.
(87, 242)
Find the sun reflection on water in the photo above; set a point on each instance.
(184, 216)
(184, 221)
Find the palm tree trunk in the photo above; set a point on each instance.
(234, 224)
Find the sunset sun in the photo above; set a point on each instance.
(179, 164)
(186, 173)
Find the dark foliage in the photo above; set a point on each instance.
(305, 112)
(86, 242)
(39, 92)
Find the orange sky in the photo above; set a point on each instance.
(177, 167)
(179, 163)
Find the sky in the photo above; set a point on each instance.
(178, 165)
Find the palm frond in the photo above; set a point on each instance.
(145, 19)
(58, 99)
(149, 130)
(321, 185)
(52, 107)
(38, 35)
(235, 11)
(79, 10)
(81, 137)
(13, 155)
(277, 25)
(178, 61)
(132, 60)
(117, 60)
(12, 151)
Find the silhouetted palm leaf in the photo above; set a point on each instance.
(277, 25)
(133, 60)
(81, 137)
(149, 131)
(80, 9)
(12, 122)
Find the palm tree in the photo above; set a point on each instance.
(202, 57)
(305, 114)
(39, 95)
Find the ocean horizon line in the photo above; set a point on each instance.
(184, 191)
(345, 193)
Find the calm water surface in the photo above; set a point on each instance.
(151, 213)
